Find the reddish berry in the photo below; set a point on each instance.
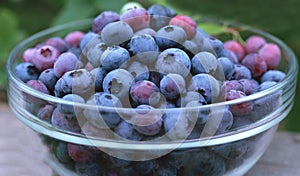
(38, 85)
(44, 57)
(142, 92)
(137, 18)
(236, 47)
(254, 43)
(73, 38)
(186, 23)
(271, 54)
(256, 64)
(103, 19)
(65, 62)
(28, 54)
(58, 43)
(79, 153)
(241, 108)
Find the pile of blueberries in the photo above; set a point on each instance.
(150, 59)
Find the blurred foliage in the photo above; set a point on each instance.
(21, 18)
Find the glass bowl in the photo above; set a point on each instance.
(182, 150)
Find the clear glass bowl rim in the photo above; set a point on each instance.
(249, 130)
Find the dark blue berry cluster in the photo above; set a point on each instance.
(156, 65)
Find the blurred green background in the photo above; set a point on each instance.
(21, 18)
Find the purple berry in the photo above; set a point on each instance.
(26, 71)
(74, 38)
(254, 43)
(271, 53)
(127, 131)
(146, 120)
(137, 18)
(60, 44)
(250, 86)
(265, 85)
(273, 75)
(172, 86)
(239, 109)
(236, 47)
(65, 62)
(44, 57)
(38, 85)
(45, 113)
(256, 64)
(61, 152)
(232, 85)
(173, 60)
(103, 19)
(80, 153)
(225, 69)
(70, 110)
(186, 23)
(145, 92)
(114, 57)
(61, 121)
(160, 16)
(49, 78)
(232, 56)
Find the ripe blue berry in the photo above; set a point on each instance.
(160, 16)
(98, 75)
(73, 38)
(118, 83)
(250, 86)
(146, 120)
(265, 85)
(127, 131)
(206, 85)
(236, 47)
(94, 52)
(116, 33)
(272, 75)
(103, 19)
(26, 71)
(49, 78)
(61, 152)
(70, 110)
(225, 69)
(113, 57)
(173, 60)
(45, 113)
(172, 86)
(138, 70)
(241, 72)
(204, 62)
(144, 48)
(189, 97)
(170, 37)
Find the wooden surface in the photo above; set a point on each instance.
(21, 156)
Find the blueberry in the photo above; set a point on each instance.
(127, 131)
(145, 92)
(172, 86)
(116, 33)
(78, 82)
(60, 44)
(103, 118)
(70, 110)
(271, 54)
(94, 53)
(241, 72)
(173, 60)
(145, 31)
(146, 120)
(26, 71)
(60, 121)
(256, 64)
(65, 62)
(98, 75)
(243, 108)
(254, 43)
(61, 152)
(113, 57)
(44, 57)
(118, 82)
(117, 162)
(170, 37)
(265, 85)
(103, 19)
(49, 78)
(137, 18)
(206, 85)
(45, 113)
(189, 97)
(250, 86)
(86, 39)
(38, 85)
(195, 115)
(73, 38)
(138, 70)
(204, 62)
(226, 122)
(81, 153)
(217, 46)
(160, 16)
(144, 167)
(272, 75)
(232, 85)
(191, 48)
(231, 150)
(225, 69)
(144, 48)
(165, 170)
(88, 168)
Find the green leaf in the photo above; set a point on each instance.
(74, 10)
(212, 29)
